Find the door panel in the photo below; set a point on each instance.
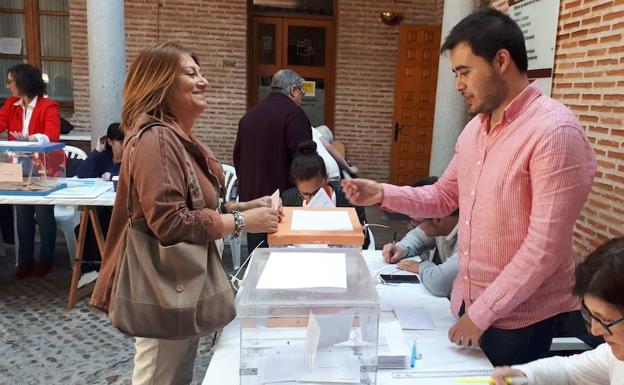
(414, 106)
(306, 46)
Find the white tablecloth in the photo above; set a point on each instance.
(106, 199)
(438, 354)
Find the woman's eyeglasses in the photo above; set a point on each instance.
(588, 317)
(307, 196)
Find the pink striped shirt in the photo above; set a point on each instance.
(520, 189)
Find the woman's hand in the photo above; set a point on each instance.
(499, 374)
(261, 220)
(23, 138)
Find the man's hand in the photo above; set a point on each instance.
(392, 253)
(362, 192)
(412, 266)
(101, 144)
(465, 332)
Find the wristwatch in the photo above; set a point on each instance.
(239, 222)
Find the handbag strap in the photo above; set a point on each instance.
(197, 197)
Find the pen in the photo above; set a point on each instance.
(394, 238)
(489, 380)
(413, 357)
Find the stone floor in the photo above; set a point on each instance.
(42, 343)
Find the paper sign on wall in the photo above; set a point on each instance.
(309, 88)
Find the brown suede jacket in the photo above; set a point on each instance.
(161, 196)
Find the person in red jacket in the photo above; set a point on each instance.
(28, 116)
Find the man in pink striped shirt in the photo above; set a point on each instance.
(520, 175)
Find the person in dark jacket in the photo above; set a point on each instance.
(267, 141)
(105, 160)
(309, 175)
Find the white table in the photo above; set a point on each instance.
(87, 206)
(438, 354)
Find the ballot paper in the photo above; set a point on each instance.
(321, 199)
(275, 199)
(332, 328)
(296, 270)
(304, 220)
(414, 318)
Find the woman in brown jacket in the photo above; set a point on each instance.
(165, 85)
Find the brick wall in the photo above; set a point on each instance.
(589, 78)
(215, 30)
(365, 77)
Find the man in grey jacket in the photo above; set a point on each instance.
(438, 234)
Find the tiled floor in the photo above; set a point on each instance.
(40, 343)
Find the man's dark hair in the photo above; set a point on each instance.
(487, 31)
(28, 80)
(602, 273)
(114, 132)
(429, 180)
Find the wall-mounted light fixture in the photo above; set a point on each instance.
(391, 17)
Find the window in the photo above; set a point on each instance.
(37, 32)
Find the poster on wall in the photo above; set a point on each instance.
(538, 20)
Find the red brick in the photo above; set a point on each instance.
(610, 38)
(613, 15)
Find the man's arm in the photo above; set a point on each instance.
(415, 242)
(433, 201)
(562, 169)
(342, 163)
(438, 279)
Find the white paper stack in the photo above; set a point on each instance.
(392, 352)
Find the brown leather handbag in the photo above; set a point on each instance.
(170, 292)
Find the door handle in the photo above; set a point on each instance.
(397, 130)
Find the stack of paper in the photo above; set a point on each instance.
(392, 352)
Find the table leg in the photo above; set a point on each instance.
(97, 229)
(82, 234)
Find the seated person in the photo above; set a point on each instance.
(105, 160)
(600, 285)
(439, 234)
(334, 161)
(309, 175)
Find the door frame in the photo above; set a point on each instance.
(285, 20)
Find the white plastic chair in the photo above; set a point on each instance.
(232, 194)
(371, 244)
(67, 217)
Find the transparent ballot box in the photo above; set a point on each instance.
(308, 316)
(334, 226)
(28, 168)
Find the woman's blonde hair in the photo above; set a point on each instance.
(148, 83)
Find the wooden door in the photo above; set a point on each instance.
(303, 45)
(414, 102)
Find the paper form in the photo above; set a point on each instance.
(304, 220)
(292, 270)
